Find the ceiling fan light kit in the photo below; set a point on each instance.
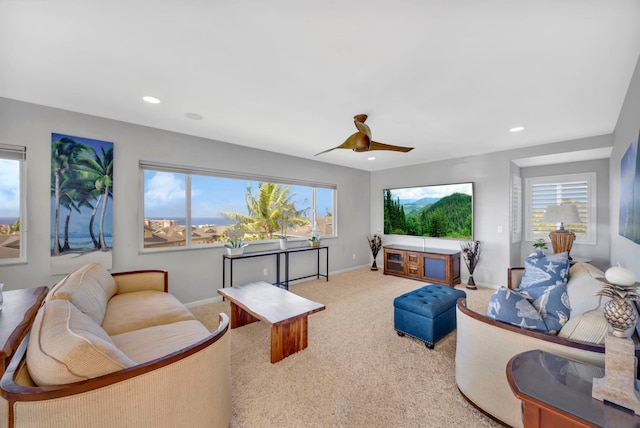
(362, 141)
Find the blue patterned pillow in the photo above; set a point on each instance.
(509, 306)
(541, 270)
(552, 303)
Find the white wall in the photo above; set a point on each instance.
(491, 174)
(623, 250)
(193, 275)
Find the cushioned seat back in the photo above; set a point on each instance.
(88, 288)
(68, 346)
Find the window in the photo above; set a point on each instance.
(577, 189)
(185, 207)
(12, 204)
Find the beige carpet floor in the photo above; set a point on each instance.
(356, 371)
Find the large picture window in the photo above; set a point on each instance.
(12, 204)
(575, 189)
(184, 207)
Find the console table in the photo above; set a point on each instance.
(426, 264)
(277, 254)
(556, 392)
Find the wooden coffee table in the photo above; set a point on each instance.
(286, 312)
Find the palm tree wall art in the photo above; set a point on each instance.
(81, 199)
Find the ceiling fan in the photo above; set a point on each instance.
(361, 141)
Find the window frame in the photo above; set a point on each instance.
(190, 171)
(590, 178)
(19, 153)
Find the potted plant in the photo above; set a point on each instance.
(540, 243)
(284, 222)
(234, 244)
(314, 239)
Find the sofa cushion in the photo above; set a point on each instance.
(541, 270)
(589, 327)
(88, 288)
(154, 342)
(509, 306)
(68, 346)
(582, 288)
(141, 309)
(552, 303)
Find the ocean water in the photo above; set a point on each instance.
(8, 220)
(79, 241)
(196, 221)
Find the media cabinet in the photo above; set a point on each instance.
(435, 265)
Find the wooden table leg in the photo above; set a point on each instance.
(288, 338)
(240, 317)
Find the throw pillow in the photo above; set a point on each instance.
(552, 304)
(541, 270)
(509, 306)
(589, 327)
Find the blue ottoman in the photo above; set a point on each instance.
(428, 313)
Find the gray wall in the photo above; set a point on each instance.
(598, 253)
(491, 174)
(623, 250)
(195, 274)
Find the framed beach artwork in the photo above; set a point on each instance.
(630, 193)
(81, 202)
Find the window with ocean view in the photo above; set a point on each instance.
(12, 203)
(191, 208)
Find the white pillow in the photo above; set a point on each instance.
(68, 346)
(582, 287)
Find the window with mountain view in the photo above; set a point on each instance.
(12, 202)
(191, 208)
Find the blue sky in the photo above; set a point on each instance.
(164, 195)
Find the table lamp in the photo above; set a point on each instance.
(562, 239)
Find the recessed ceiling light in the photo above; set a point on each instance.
(151, 100)
(371, 158)
(517, 129)
(194, 116)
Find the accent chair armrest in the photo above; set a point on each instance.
(514, 276)
(141, 280)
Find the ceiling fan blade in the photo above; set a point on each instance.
(356, 141)
(381, 146)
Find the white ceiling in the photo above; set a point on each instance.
(448, 77)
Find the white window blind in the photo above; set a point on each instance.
(516, 209)
(575, 189)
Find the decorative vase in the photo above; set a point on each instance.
(375, 243)
(283, 243)
(620, 316)
(471, 255)
(314, 244)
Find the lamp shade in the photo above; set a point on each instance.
(562, 214)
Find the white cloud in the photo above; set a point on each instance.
(163, 189)
(431, 191)
(9, 188)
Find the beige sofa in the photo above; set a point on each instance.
(118, 351)
(484, 346)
